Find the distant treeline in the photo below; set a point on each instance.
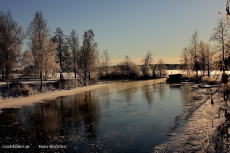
(172, 66)
(169, 66)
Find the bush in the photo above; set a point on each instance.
(127, 70)
(47, 87)
(192, 78)
(19, 88)
(211, 81)
(65, 84)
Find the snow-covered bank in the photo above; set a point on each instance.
(30, 100)
(196, 129)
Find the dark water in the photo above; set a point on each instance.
(126, 117)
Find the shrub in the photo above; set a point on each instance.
(128, 70)
(211, 81)
(19, 88)
(192, 78)
(65, 84)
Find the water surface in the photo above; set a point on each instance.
(125, 117)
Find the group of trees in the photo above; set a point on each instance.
(201, 56)
(158, 70)
(198, 56)
(11, 40)
(47, 54)
(128, 69)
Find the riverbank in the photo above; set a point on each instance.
(198, 128)
(16, 102)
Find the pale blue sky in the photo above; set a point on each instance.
(127, 27)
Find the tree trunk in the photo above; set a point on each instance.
(61, 76)
(7, 76)
(75, 70)
(3, 76)
(89, 77)
(85, 76)
(41, 80)
(75, 73)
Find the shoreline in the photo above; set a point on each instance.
(18, 102)
(198, 125)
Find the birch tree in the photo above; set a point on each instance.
(202, 53)
(185, 60)
(161, 68)
(105, 63)
(40, 44)
(210, 57)
(221, 36)
(145, 68)
(194, 52)
(206, 58)
(11, 40)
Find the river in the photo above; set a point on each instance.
(124, 117)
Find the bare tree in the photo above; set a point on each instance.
(202, 53)
(145, 68)
(154, 70)
(40, 44)
(209, 52)
(206, 58)
(194, 52)
(105, 62)
(88, 56)
(73, 43)
(221, 36)
(186, 61)
(161, 68)
(11, 39)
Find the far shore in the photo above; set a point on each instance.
(17, 102)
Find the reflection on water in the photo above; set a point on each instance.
(127, 90)
(126, 117)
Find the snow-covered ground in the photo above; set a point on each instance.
(15, 102)
(195, 129)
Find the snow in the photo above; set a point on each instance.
(196, 127)
(15, 102)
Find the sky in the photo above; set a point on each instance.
(127, 27)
